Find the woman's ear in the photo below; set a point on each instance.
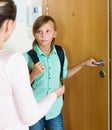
(8, 26)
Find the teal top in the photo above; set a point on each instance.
(49, 79)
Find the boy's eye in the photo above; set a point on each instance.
(48, 31)
(38, 31)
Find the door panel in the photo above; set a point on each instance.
(83, 32)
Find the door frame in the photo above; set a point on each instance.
(110, 46)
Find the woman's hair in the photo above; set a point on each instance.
(39, 22)
(8, 10)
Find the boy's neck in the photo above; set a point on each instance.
(46, 50)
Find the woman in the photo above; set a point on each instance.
(18, 108)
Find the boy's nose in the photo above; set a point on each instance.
(43, 34)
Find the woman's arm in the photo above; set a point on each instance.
(28, 109)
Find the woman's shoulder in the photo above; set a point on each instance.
(7, 56)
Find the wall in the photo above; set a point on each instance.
(21, 39)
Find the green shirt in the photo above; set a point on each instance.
(49, 79)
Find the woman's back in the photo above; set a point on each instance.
(18, 107)
(9, 119)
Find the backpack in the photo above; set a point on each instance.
(60, 53)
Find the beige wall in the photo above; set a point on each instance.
(22, 38)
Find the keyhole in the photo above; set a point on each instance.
(102, 74)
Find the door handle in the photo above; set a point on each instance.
(100, 62)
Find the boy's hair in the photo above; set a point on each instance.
(39, 22)
(8, 10)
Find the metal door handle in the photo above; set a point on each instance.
(100, 62)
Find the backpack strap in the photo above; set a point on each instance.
(61, 56)
(33, 56)
(60, 53)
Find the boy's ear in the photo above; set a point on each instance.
(55, 33)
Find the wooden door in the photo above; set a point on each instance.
(83, 32)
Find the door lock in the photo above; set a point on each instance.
(102, 74)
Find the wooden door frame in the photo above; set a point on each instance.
(110, 41)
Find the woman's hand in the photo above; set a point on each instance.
(59, 91)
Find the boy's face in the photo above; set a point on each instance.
(45, 34)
